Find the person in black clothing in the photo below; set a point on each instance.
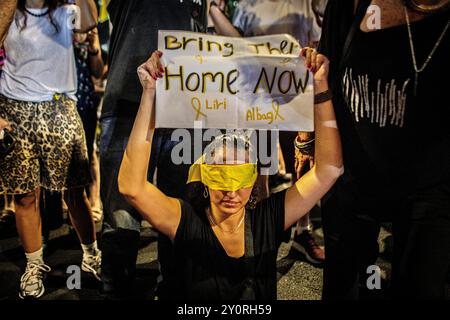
(391, 105)
(223, 250)
(134, 36)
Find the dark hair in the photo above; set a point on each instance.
(52, 5)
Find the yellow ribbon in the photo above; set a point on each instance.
(103, 16)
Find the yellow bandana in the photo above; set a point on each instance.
(226, 177)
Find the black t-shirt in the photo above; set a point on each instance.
(205, 272)
(135, 37)
(395, 141)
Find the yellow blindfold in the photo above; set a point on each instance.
(226, 177)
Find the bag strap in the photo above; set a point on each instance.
(250, 263)
(359, 15)
(249, 246)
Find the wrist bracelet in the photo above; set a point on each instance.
(322, 97)
(306, 148)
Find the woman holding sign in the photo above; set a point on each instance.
(300, 19)
(225, 246)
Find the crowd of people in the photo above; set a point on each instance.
(77, 130)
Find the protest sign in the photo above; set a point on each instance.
(223, 82)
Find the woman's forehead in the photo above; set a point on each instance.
(226, 155)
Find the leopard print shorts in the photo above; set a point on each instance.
(50, 149)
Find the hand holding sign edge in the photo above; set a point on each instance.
(150, 71)
(318, 64)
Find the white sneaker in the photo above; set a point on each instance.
(31, 282)
(92, 264)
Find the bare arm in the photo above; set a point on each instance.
(7, 9)
(162, 212)
(88, 15)
(312, 186)
(222, 25)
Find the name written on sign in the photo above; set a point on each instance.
(253, 113)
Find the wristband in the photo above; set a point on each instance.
(322, 97)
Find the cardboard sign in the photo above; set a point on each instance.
(224, 82)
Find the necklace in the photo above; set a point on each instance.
(37, 15)
(214, 222)
(422, 8)
(411, 44)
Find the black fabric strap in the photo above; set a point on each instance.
(322, 97)
(250, 267)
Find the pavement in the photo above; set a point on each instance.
(297, 279)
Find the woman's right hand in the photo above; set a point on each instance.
(150, 71)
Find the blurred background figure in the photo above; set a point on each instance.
(392, 111)
(134, 36)
(89, 63)
(38, 107)
(6, 202)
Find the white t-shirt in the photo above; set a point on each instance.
(39, 60)
(265, 17)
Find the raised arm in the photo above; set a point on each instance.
(161, 211)
(222, 25)
(7, 9)
(95, 54)
(88, 15)
(312, 186)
